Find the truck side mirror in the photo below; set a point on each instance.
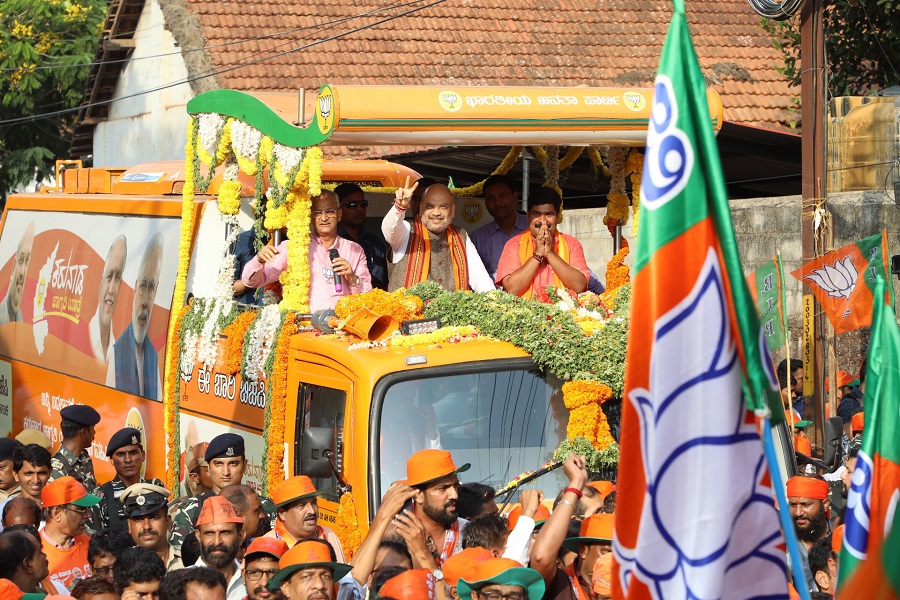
(316, 442)
(834, 431)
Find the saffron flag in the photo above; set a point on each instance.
(767, 288)
(875, 488)
(843, 281)
(696, 516)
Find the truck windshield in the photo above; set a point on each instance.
(503, 422)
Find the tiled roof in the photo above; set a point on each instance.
(494, 42)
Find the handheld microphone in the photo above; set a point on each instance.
(333, 254)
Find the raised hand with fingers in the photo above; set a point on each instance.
(403, 195)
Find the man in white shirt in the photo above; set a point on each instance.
(431, 248)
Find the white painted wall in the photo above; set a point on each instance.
(149, 127)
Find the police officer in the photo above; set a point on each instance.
(72, 458)
(126, 452)
(145, 506)
(225, 457)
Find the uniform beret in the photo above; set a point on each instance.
(226, 444)
(81, 414)
(123, 437)
(143, 499)
(7, 445)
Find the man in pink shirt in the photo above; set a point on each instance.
(349, 268)
(542, 256)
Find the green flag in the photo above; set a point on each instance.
(873, 496)
(767, 287)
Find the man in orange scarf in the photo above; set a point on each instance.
(542, 256)
(431, 248)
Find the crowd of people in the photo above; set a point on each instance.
(432, 537)
(520, 253)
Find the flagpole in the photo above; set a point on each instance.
(787, 525)
(789, 410)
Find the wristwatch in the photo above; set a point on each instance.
(438, 575)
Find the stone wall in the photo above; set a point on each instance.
(764, 226)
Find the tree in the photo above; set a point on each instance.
(862, 45)
(44, 47)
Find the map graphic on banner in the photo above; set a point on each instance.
(767, 288)
(695, 516)
(843, 281)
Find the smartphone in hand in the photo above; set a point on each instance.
(408, 505)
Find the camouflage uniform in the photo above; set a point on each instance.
(64, 462)
(184, 522)
(101, 517)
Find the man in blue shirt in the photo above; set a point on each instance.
(501, 201)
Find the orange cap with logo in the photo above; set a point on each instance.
(67, 490)
(293, 489)
(427, 465)
(218, 510)
(541, 514)
(604, 488)
(462, 563)
(415, 584)
(266, 545)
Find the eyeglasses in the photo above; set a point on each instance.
(355, 203)
(255, 574)
(501, 596)
(328, 212)
(83, 511)
(104, 571)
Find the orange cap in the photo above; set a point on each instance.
(415, 584)
(605, 488)
(844, 378)
(67, 490)
(857, 421)
(501, 571)
(428, 465)
(266, 545)
(10, 590)
(304, 555)
(837, 539)
(217, 510)
(803, 445)
(807, 487)
(541, 515)
(595, 529)
(601, 578)
(462, 563)
(293, 489)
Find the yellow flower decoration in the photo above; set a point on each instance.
(586, 417)
(439, 336)
(394, 304)
(570, 157)
(348, 530)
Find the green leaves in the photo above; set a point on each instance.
(43, 49)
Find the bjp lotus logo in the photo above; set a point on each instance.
(634, 101)
(472, 211)
(326, 110)
(450, 101)
(837, 280)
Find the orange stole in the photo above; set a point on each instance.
(419, 256)
(526, 251)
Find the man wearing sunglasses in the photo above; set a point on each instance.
(352, 227)
(68, 509)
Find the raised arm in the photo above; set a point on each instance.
(393, 226)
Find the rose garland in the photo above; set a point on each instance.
(348, 530)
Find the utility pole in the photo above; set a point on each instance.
(812, 99)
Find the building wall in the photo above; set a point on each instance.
(764, 226)
(148, 127)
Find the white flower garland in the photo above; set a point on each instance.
(617, 157)
(188, 352)
(245, 140)
(552, 166)
(287, 157)
(208, 340)
(262, 339)
(270, 297)
(225, 280)
(211, 125)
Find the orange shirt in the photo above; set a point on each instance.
(68, 565)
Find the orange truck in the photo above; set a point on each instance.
(351, 416)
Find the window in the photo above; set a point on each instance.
(504, 423)
(321, 406)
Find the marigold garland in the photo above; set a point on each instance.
(394, 304)
(348, 530)
(276, 390)
(295, 279)
(234, 349)
(439, 336)
(570, 157)
(171, 404)
(617, 272)
(636, 165)
(586, 417)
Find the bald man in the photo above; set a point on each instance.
(11, 305)
(431, 248)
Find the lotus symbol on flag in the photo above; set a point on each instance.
(838, 280)
(709, 527)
